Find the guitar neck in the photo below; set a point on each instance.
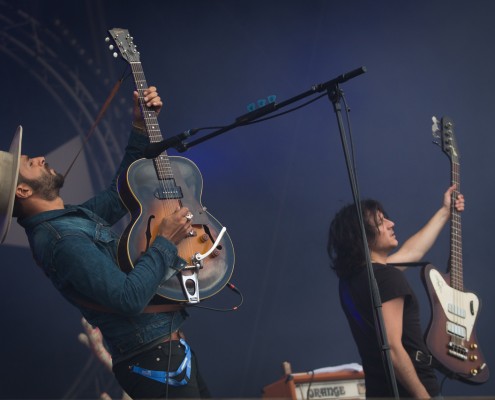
(456, 273)
(162, 162)
(149, 115)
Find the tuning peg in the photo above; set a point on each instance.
(115, 55)
(111, 47)
(107, 39)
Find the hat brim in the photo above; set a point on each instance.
(15, 150)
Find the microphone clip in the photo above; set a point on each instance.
(153, 150)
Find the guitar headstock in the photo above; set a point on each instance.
(443, 133)
(123, 42)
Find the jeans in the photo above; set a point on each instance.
(158, 359)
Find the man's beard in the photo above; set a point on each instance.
(47, 186)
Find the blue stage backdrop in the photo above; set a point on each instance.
(276, 184)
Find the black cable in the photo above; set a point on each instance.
(169, 352)
(263, 119)
(309, 384)
(235, 308)
(336, 97)
(286, 112)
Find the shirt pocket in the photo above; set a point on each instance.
(104, 235)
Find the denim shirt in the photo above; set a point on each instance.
(77, 250)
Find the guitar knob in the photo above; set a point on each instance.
(111, 47)
(115, 55)
(215, 253)
(474, 346)
(474, 372)
(107, 39)
(473, 357)
(204, 238)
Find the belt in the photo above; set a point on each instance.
(423, 358)
(177, 335)
(169, 377)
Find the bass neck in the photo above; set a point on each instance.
(455, 266)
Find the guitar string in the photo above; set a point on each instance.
(456, 253)
(162, 162)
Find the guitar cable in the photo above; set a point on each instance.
(235, 308)
(232, 287)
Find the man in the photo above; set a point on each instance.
(77, 250)
(410, 357)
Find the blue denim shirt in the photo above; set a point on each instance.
(77, 250)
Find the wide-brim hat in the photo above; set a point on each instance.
(9, 173)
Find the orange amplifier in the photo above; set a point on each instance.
(346, 384)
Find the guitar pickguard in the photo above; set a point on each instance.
(460, 308)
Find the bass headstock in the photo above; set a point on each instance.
(443, 134)
(123, 42)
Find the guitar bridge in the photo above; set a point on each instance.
(458, 351)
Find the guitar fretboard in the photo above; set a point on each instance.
(456, 274)
(162, 162)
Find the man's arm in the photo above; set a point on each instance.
(418, 245)
(107, 204)
(405, 372)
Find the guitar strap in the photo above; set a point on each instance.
(153, 308)
(410, 264)
(97, 120)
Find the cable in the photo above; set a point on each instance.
(169, 351)
(310, 383)
(263, 119)
(235, 308)
(286, 112)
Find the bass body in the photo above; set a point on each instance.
(451, 336)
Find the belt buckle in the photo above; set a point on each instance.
(423, 358)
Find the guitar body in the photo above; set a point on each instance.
(451, 336)
(148, 203)
(153, 189)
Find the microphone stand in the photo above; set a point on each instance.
(178, 142)
(335, 95)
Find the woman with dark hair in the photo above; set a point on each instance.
(410, 357)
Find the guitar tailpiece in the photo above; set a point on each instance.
(190, 285)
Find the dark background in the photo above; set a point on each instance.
(275, 185)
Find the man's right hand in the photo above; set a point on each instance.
(176, 226)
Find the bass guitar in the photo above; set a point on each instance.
(152, 189)
(451, 336)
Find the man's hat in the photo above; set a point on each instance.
(9, 173)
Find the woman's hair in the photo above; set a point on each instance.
(345, 242)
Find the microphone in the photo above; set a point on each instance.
(153, 150)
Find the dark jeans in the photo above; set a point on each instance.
(157, 359)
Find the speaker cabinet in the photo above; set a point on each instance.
(324, 385)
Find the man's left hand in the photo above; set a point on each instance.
(152, 100)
